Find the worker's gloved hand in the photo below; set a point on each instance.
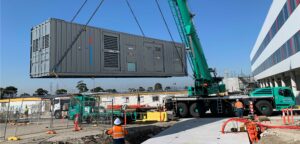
(106, 131)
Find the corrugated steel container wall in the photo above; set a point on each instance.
(101, 53)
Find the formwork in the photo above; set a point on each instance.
(101, 53)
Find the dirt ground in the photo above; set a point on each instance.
(91, 134)
(280, 136)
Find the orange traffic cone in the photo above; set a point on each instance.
(51, 132)
(76, 126)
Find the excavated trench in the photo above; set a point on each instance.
(136, 135)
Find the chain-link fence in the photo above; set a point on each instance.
(24, 117)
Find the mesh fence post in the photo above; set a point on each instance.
(6, 118)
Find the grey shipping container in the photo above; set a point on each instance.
(101, 53)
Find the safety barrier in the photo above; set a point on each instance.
(287, 116)
(251, 108)
(252, 131)
(76, 123)
(41, 118)
(252, 127)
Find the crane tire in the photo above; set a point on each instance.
(195, 110)
(182, 109)
(264, 107)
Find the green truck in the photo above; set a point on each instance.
(267, 99)
(83, 105)
(88, 109)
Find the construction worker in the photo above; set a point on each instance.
(239, 108)
(118, 132)
(26, 111)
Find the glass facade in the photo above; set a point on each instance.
(288, 49)
(284, 14)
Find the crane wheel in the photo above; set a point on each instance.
(264, 107)
(182, 109)
(195, 110)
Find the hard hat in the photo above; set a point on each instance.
(117, 121)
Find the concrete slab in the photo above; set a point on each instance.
(198, 131)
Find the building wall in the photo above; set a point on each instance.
(33, 106)
(275, 57)
(232, 84)
(151, 99)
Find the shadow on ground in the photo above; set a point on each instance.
(188, 124)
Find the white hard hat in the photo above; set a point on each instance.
(117, 121)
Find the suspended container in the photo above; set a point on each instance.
(101, 53)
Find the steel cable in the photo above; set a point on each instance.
(78, 11)
(170, 34)
(135, 18)
(76, 38)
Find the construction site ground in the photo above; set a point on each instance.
(280, 136)
(187, 130)
(90, 133)
(201, 130)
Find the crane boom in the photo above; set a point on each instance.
(205, 83)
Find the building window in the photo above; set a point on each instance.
(43, 42)
(141, 99)
(131, 67)
(126, 99)
(284, 14)
(297, 41)
(288, 49)
(155, 98)
(33, 46)
(292, 4)
(47, 41)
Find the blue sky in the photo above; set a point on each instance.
(227, 30)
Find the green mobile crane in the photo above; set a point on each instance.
(206, 82)
(206, 93)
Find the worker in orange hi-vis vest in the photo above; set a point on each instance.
(239, 108)
(118, 132)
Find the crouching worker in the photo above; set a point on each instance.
(118, 132)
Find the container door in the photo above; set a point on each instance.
(158, 58)
(148, 57)
(153, 55)
(177, 55)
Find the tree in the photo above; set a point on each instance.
(167, 88)
(158, 87)
(61, 91)
(41, 91)
(25, 95)
(111, 90)
(132, 90)
(81, 86)
(10, 90)
(1, 92)
(149, 89)
(97, 89)
(141, 89)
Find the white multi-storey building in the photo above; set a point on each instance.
(275, 57)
